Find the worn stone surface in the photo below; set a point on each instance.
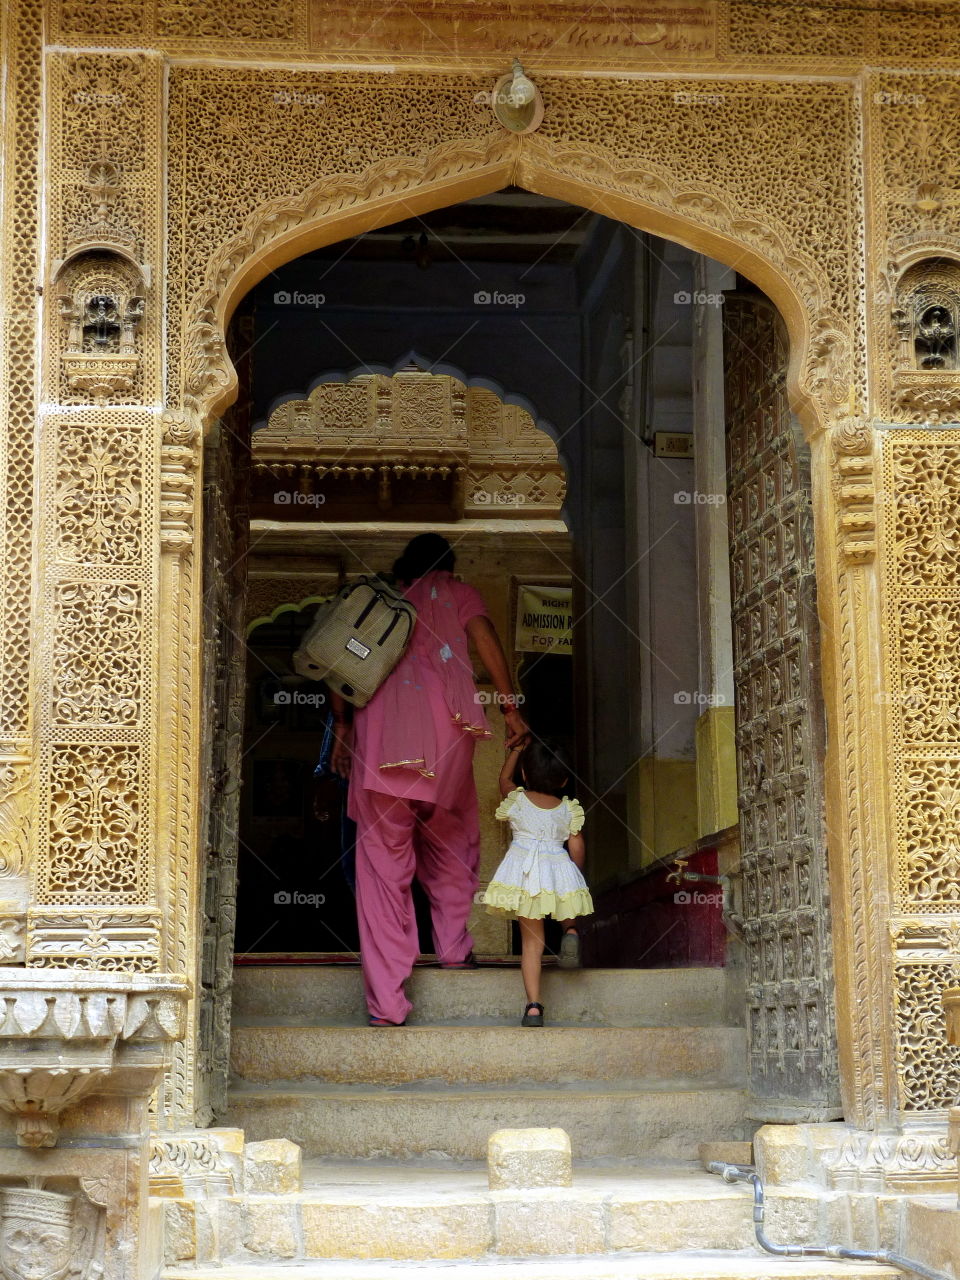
(484, 1054)
(529, 1158)
(781, 1153)
(365, 1229)
(663, 1222)
(255, 1228)
(179, 1231)
(371, 1123)
(604, 997)
(548, 1223)
(272, 1167)
(932, 1232)
(727, 1152)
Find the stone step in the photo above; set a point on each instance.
(488, 1055)
(404, 1214)
(636, 1266)
(367, 1122)
(585, 997)
(370, 1210)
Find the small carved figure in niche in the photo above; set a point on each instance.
(936, 340)
(101, 324)
(36, 1235)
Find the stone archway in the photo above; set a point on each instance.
(768, 187)
(664, 196)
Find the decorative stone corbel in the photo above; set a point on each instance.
(853, 455)
(179, 454)
(68, 1034)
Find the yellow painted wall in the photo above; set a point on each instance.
(716, 770)
(662, 808)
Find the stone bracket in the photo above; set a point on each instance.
(68, 1034)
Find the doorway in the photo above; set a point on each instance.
(588, 328)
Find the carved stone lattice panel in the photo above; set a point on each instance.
(715, 159)
(97, 687)
(185, 22)
(928, 1067)
(921, 541)
(97, 813)
(100, 493)
(16, 818)
(922, 581)
(912, 122)
(97, 653)
(791, 1016)
(229, 133)
(22, 40)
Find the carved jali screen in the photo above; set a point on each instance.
(780, 732)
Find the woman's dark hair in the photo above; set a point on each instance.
(423, 553)
(543, 767)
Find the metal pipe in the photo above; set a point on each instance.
(747, 1173)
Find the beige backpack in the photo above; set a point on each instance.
(356, 640)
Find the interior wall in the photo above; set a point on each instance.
(663, 778)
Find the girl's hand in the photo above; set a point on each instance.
(341, 757)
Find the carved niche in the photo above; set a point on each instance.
(101, 300)
(926, 336)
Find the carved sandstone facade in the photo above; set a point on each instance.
(169, 185)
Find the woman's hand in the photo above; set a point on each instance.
(518, 731)
(341, 757)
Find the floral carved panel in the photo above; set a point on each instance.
(99, 493)
(96, 851)
(97, 661)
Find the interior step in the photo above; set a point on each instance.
(455, 1122)
(630, 1267)
(487, 1055)
(586, 997)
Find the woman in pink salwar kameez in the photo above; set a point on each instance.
(409, 756)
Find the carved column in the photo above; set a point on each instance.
(951, 1007)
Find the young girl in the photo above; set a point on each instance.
(538, 877)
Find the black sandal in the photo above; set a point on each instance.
(532, 1019)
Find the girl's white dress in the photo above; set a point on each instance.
(537, 877)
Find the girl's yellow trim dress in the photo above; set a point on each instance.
(537, 877)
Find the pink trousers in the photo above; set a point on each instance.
(397, 839)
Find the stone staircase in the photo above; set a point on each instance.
(634, 1064)
(639, 1067)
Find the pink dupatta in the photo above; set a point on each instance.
(438, 651)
